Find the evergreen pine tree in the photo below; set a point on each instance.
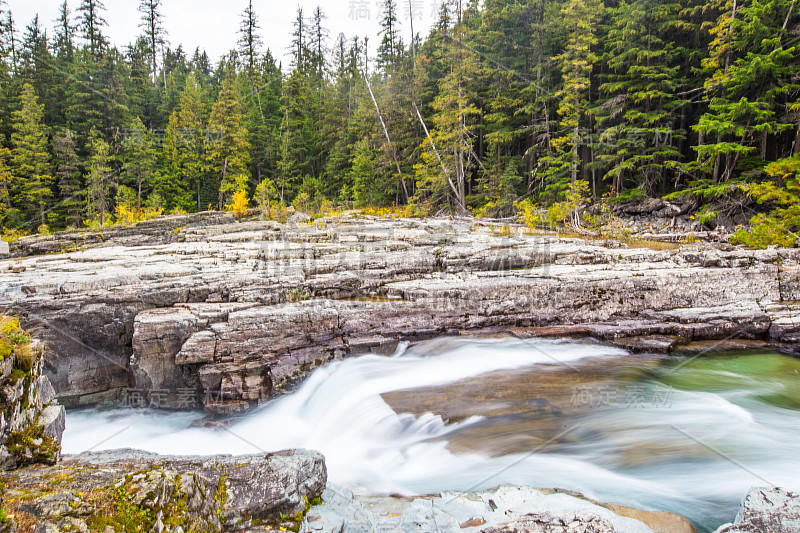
(62, 70)
(9, 82)
(298, 133)
(372, 185)
(388, 50)
(91, 23)
(298, 40)
(139, 160)
(448, 153)
(99, 179)
(319, 37)
(155, 34)
(34, 55)
(10, 41)
(184, 148)
(65, 33)
(250, 42)
(637, 117)
(753, 87)
(71, 205)
(31, 161)
(228, 155)
(575, 63)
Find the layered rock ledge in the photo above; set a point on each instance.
(31, 420)
(129, 490)
(202, 309)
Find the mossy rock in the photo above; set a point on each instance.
(32, 446)
(136, 491)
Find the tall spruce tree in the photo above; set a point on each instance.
(10, 40)
(91, 23)
(31, 161)
(298, 135)
(228, 154)
(298, 48)
(389, 49)
(319, 36)
(99, 179)
(250, 42)
(61, 70)
(638, 115)
(152, 23)
(575, 63)
(184, 147)
(65, 33)
(448, 153)
(67, 171)
(139, 158)
(34, 55)
(8, 82)
(754, 85)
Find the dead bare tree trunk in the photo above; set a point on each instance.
(388, 139)
(435, 151)
(224, 171)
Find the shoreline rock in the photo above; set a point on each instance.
(130, 488)
(766, 509)
(288, 490)
(506, 509)
(285, 490)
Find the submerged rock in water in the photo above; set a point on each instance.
(131, 489)
(767, 510)
(507, 509)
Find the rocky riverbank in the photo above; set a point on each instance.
(506, 509)
(203, 310)
(128, 490)
(512, 509)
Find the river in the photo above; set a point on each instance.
(685, 434)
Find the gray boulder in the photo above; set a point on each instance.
(298, 218)
(767, 510)
(53, 419)
(507, 509)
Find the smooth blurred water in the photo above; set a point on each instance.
(688, 435)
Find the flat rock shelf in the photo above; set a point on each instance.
(202, 309)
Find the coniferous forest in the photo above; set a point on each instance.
(504, 104)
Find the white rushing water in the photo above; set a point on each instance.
(696, 453)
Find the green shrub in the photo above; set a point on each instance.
(780, 226)
(560, 213)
